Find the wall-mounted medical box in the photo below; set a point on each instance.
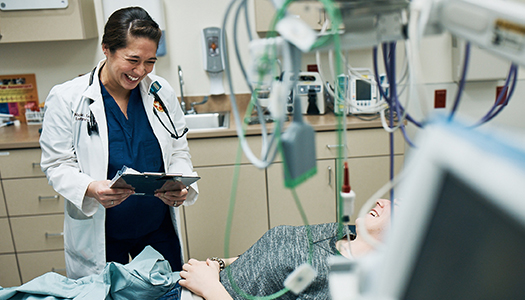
(76, 20)
(482, 66)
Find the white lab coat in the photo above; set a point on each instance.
(72, 159)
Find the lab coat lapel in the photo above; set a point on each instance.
(96, 106)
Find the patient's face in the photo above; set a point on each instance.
(378, 218)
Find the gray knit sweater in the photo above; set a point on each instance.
(262, 269)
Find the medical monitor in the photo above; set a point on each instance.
(459, 232)
(362, 95)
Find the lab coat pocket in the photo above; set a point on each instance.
(80, 239)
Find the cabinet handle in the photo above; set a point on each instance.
(55, 197)
(54, 234)
(36, 165)
(333, 146)
(329, 176)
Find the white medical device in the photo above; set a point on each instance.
(362, 94)
(459, 232)
(496, 26)
(212, 58)
(310, 90)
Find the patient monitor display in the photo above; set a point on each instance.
(362, 94)
(471, 249)
(460, 229)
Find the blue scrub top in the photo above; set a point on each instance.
(132, 143)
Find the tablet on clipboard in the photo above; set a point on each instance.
(149, 183)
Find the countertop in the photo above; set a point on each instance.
(26, 136)
(326, 122)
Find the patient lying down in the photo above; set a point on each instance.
(260, 271)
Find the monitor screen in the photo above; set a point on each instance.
(363, 90)
(472, 249)
(459, 231)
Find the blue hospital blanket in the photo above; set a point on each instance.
(148, 276)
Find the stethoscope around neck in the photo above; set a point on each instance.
(92, 125)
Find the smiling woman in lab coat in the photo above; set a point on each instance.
(97, 123)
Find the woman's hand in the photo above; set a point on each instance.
(107, 196)
(202, 278)
(173, 197)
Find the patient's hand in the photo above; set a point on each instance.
(202, 278)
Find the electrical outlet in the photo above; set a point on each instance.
(498, 91)
(440, 98)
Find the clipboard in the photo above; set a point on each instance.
(149, 183)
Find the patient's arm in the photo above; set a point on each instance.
(202, 278)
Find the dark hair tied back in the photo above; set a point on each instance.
(129, 21)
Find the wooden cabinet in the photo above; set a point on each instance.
(31, 229)
(262, 200)
(39, 199)
(309, 11)
(35, 264)
(38, 233)
(5, 236)
(31, 213)
(3, 211)
(76, 22)
(369, 168)
(9, 275)
(368, 175)
(20, 163)
(206, 219)
(316, 195)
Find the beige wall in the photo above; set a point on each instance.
(55, 62)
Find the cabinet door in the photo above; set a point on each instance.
(38, 233)
(360, 142)
(34, 264)
(3, 211)
(21, 163)
(6, 244)
(309, 11)
(206, 219)
(31, 196)
(368, 175)
(77, 21)
(9, 275)
(373, 142)
(317, 196)
(219, 152)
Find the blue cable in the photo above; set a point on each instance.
(461, 82)
(513, 73)
(387, 97)
(393, 88)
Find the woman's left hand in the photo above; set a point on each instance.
(173, 198)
